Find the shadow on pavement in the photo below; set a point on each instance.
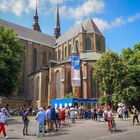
(51, 135)
(118, 131)
(15, 138)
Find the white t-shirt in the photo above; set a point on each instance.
(2, 118)
(109, 115)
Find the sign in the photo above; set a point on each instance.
(75, 71)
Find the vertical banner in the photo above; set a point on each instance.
(75, 71)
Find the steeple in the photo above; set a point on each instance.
(57, 27)
(35, 25)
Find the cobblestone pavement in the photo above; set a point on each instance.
(82, 130)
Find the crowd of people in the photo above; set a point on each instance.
(50, 119)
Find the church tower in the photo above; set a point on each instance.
(57, 27)
(35, 25)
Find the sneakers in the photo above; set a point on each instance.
(6, 137)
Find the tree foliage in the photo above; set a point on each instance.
(70, 95)
(119, 76)
(131, 59)
(107, 72)
(10, 62)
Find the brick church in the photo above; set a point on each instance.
(46, 68)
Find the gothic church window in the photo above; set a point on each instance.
(58, 84)
(44, 58)
(88, 44)
(46, 88)
(69, 82)
(62, 55)
(76, 47)
(50, 55)
(65, 51)
(34, 60)
(37, 88)
(93, 85)
(59, 54)
(98, 43)
(69, 50)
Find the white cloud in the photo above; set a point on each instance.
(77, 13)
(134, 17)
(19, 7)
(57, 1)
(104, 24)
(87, 8)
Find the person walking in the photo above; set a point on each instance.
(54, 119)
(72, 114)
(25, 121)
(63, 116)
(58, 117)
(40, 118)
(3, 122)
(135, 114)
(94, 115)
(109, 118)
(49, 119)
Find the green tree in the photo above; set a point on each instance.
(108, 73)
(70, 95)
(10, 62)
(131, 59)
(119, 76)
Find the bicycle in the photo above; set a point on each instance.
(111, 125)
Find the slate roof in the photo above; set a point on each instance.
(29, 34)
(88, 26)
(88, 56)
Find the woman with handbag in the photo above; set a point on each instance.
(135, 114)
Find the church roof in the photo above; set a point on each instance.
(29, 34)
(90, 56)
(88, 26)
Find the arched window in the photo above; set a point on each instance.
(47, 59)
(76, 47)
(69, 50)
(49, 56)
(44, 58)
(69, 82)
(98, 43)
(88, 44)
(59, 54)
(46, 88)
(34, 60)
(93, 85)
(62, 53)
(58, 84)
(37, 88)
(65, 51)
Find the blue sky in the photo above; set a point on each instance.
(118, 20)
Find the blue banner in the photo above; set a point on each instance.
(75, 71)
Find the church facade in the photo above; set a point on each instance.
(46, 68)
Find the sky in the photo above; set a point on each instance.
(118, 20)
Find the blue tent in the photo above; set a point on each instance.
(63, 102)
